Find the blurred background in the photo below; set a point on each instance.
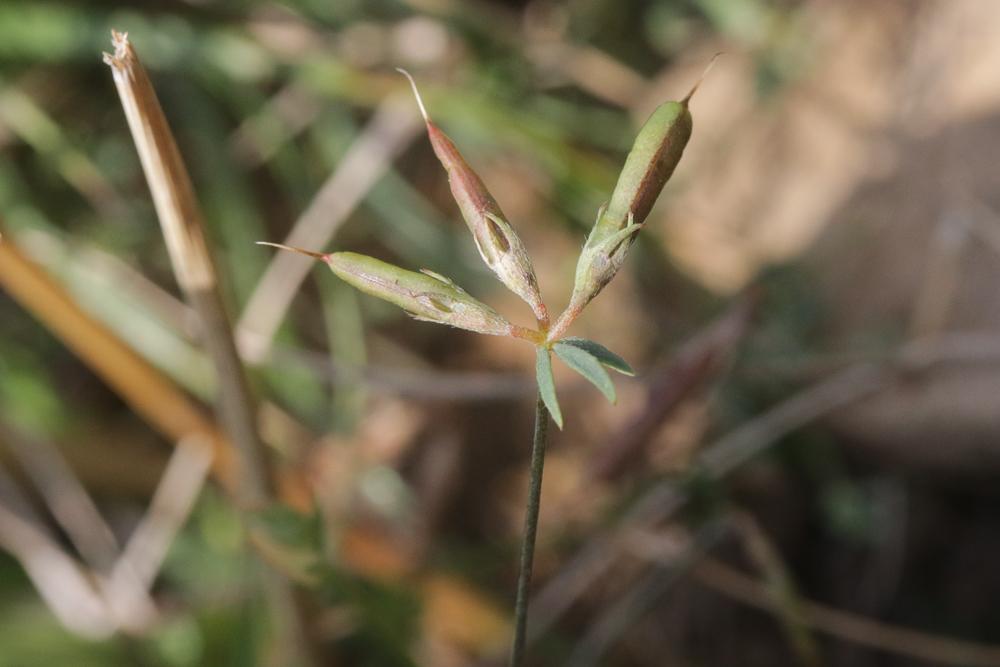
(803, 472)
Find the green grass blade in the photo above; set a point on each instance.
(603, 354)
(588, 366)
(547, 385)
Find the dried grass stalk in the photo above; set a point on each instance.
(183, 229)
(149, 392)
(169, 183)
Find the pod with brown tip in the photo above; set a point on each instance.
(657, 150)
(498, 244)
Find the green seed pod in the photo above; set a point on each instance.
(426, 296)
(498, 244)
(654, 156)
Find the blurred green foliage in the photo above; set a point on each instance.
(72, 189)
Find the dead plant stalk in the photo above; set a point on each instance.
(183, 229)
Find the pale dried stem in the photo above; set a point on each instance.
(134, 572)
(143, 387)
(60, 581)
(65, 497)
(183, 230)
(123, 579)
(292, 109)
(153, 397)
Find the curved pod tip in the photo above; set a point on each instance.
(704, 73)
(308, 253)
(416, 93)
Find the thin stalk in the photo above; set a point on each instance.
(194, 268)
(530, 531)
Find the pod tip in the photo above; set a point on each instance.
(708, 68)
(416, 93)
(308, 253)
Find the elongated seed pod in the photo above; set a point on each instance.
(425, 296)
(654, 156)
(497, 242)
(657, 150)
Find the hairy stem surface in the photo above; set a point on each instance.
(530, 531)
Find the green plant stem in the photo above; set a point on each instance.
(530, 531)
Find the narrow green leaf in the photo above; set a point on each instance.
(588, 366)
(603, 354)
(547, 385)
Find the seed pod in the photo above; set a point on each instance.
(498, 244)
(654, 156)
(426, 296)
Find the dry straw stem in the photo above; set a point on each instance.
(183, 230)
(122, 578)
(164, 406)
(67, 499)
(151, 394)
(169, 182)
(147, 391)
(60, 582)
(142, 558)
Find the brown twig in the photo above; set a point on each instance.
(850, 627)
